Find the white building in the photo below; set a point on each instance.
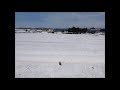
(20, 30)
(50, 31)
(39, 30)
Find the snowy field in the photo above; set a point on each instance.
(37, 55)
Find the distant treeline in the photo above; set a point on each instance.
(78, 30)
(72, 30)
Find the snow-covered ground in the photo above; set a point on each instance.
(37, 55)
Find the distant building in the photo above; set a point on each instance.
(28, 30)
(50, 31)
(39, 30)
(17, 30)
(93, 30)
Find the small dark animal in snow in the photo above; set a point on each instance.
(60, 63)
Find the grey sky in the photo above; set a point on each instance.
(60, 19)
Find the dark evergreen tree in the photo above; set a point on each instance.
(77, 30)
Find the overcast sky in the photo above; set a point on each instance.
(60, 19)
